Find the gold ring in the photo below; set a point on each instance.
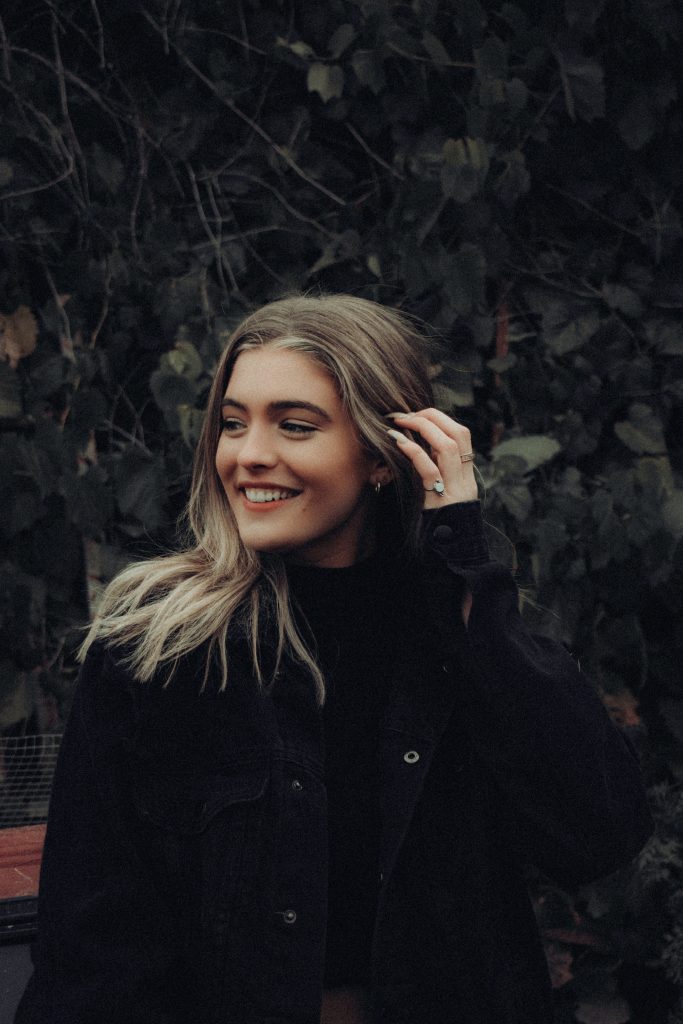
(469, 457)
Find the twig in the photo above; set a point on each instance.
(5, 53)
(100, 33)
(430, 60)
(596, 213)
(207, 227)
(40, 188)
(238, 112)
(59, 304)
(371, 153)
(228, 35)
(285, 202)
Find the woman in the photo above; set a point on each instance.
(310, 755)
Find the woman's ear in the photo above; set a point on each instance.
(381, 474)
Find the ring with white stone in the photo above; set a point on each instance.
(438, 487)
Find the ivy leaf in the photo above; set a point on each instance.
(298, 47)
(465, 166)
(516, 497)
(642, 432)
(340, 40)
(637, 123)
(566, 325)
(465, 278)
(88, 500)
(492, 60)
(6, 173)
(618, 296)
(583, 84)
(666, 336)
(327, 80)
(18, 335)
(583, 13)
(435, 48)
(183, 359)
(533, 449)
(672, 513)
(108, 167)
(170, 389)
(141, 486)
(368, 68)
(10, 394)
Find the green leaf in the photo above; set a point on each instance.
(183, 359)
(637, 124)
(368, 68)
(299, 47)
(6, 173)
(340, 40)
(190, 420)
(533, 449)
(618, 296)
(492, 60)
(642, 432)
(170, 389)
(566, 325)
(327, 80)
(108, 167)
(88, 500)
(516, 497)
(435, 48)
(465, 278)
(672, 513)
(465, 166)
(666, 336)
(10, 395)
(583, 13)
(141, 486)
(583, 84)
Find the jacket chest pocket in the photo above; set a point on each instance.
(205, 832)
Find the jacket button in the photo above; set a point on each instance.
(289, 916)
(297, 785)
(411, 756)
(443, 533)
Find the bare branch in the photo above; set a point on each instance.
(430, 60)
(100, 32)
(287, 205)
(371, 153)
(5, 53)
(261, 132)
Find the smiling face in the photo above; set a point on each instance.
(294, 471)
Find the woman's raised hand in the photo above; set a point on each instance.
(447, 472)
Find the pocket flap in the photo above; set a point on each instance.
(187, 805)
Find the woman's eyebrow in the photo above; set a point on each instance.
(287, 403)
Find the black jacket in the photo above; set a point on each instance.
(184, 872)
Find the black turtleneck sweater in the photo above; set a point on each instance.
(351, 615)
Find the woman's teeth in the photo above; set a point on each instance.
(253, 495)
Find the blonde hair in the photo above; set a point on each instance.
(166, 607)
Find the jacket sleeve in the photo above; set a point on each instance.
(105, 949)
(571, 780)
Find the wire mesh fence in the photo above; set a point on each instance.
(27, 765)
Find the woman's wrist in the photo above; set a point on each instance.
(455, 533)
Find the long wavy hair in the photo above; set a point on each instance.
(161, 609)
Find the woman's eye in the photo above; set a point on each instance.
(230, 425)
(297, 428)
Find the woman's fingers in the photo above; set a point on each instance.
(449, 441)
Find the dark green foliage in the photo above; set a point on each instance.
(508, 171)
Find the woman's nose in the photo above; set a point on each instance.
(257, 448)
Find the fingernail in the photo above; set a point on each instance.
(395, 415)
(396, 436)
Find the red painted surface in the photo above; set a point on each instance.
(21, 850)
